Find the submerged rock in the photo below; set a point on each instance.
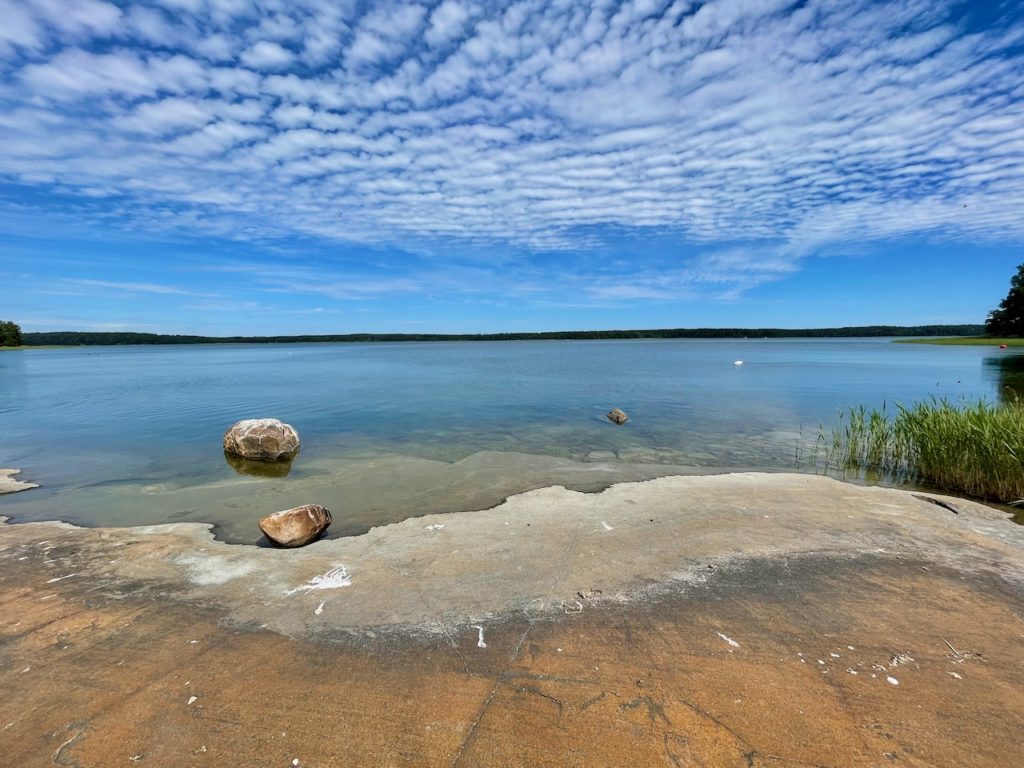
(296, 527)
(618, 416)
(262, 440)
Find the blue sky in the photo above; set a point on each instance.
(314, 166)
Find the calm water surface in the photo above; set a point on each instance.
(133, 434)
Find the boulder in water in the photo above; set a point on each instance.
(296, 527)
(618, 416)
(262, 440)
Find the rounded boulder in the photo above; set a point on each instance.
(618, 416)
(262, 440)
(296, 527)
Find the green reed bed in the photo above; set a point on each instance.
(973, 448)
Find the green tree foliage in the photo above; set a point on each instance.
(10, 334)
(1008, 320)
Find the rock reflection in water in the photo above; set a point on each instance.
(271, 469)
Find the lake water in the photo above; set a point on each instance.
(132, 435)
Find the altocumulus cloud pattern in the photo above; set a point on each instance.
(529, 125)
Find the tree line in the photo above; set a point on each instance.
(10, 334)
(1008, 318)
(91, 338)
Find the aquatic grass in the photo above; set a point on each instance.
(972, 448)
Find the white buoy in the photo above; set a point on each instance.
(738, 362)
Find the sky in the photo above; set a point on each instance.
(320, 166)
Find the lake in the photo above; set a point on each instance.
(132, 435)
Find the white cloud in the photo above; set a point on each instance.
(267, 54)
(75, 73)
(128, 287)
(20, 28)
(447, 22)
(166, 116)
(76, 18)
(384, 33)
(534, 125)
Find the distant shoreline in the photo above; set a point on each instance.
(89, 338)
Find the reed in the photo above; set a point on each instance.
(969, 341)
(972, 448)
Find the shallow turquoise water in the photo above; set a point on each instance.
(84, 421)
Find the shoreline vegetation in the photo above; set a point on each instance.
(967, 341)
(91, 338)
(974, 448)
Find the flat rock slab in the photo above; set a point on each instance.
(538, 549)
(744, 620)
(836, 662)
(9, 485)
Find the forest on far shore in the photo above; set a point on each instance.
(95, 338)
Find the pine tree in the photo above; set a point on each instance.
(1008, 320)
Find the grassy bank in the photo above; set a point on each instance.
(971, 448)
(973, 341)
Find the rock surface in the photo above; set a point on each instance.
(296, 527)
(537, 549)
(9, 485)
(839, 625)
(262, 440)
(618, 416)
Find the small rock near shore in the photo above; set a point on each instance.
(262, 440)
(296, 527)
(618, 416)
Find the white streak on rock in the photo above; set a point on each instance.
(192, 700)
(892, 681)
(333, 579)
(728, 639)
(480, 640)
(60, 578)
(435, 527)
(606, 526)
(319, 608)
